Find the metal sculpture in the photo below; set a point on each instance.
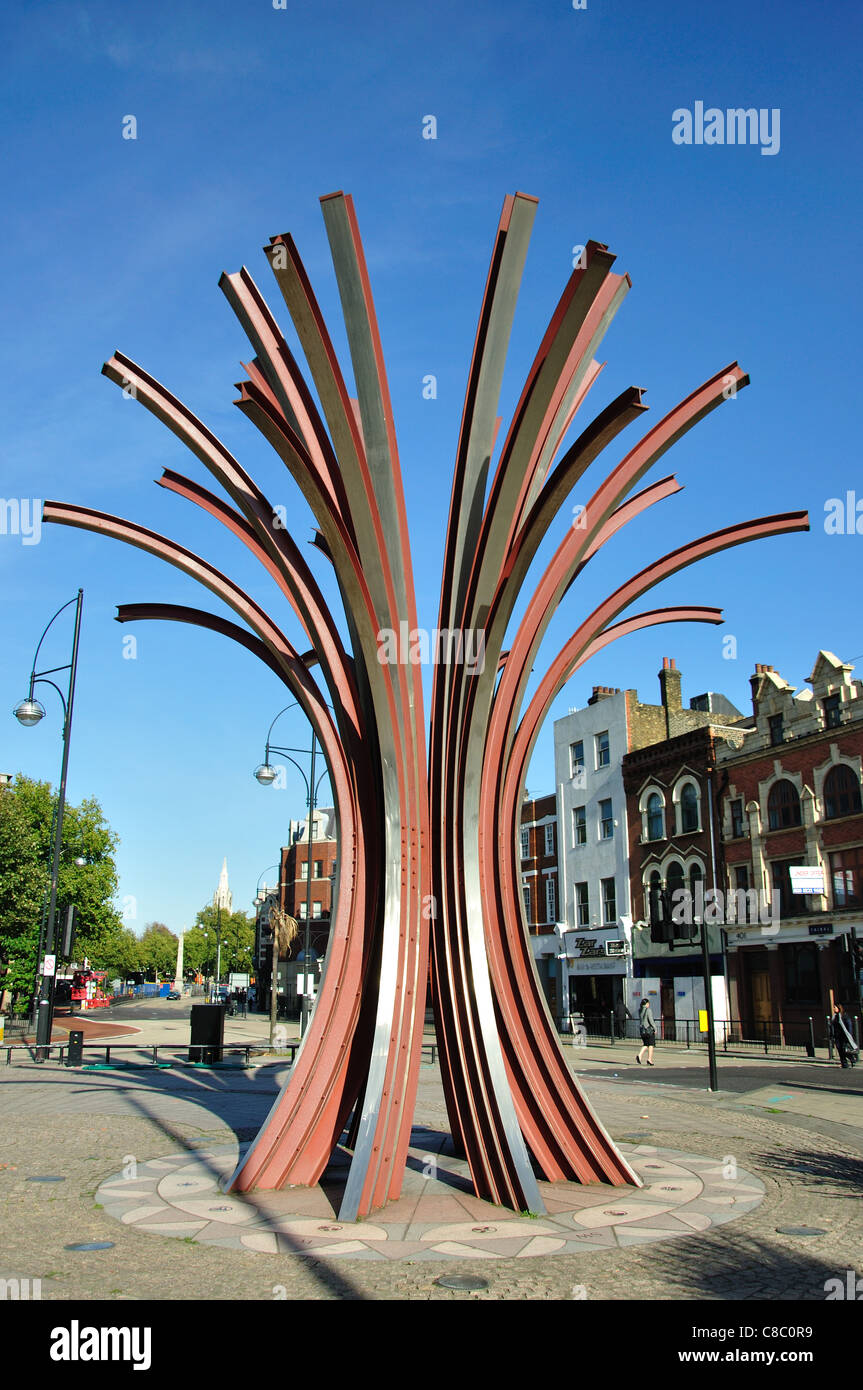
(425, 852)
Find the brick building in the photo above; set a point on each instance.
(538, 843)
(791, 798)
(294, 885)
(674, 843)
(291, 895)
(600, 835)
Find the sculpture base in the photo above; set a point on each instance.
(437, 1216)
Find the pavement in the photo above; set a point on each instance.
(142, 1133)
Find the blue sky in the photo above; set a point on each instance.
(245, 116)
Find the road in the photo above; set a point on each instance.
(740, 1076)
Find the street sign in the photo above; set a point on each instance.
(807, 878)
(49, 966)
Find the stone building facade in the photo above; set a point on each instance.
(790, 799)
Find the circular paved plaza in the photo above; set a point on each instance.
(437, 1217)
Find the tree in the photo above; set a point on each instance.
(158, 950)
(123, 956)
(285, 931)
(26, 843)
(237, 936)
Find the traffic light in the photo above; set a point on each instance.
(67, 931)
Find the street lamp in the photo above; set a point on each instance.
(266, 775)
(29, 712)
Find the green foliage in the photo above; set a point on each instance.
(238, 942)
(26, 844)
(158, 949)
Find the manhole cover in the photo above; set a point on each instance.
(465, 1283)
(46, 1179)
(801, 1231)
(91, 1245)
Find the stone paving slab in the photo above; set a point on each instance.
(442, 1223)
(827, 1105)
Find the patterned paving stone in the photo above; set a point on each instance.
(435, 1218)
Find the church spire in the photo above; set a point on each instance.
(223, 897)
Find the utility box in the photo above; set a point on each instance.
(208, 1033)
(75, 1050)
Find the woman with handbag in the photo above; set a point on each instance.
(647, 1029)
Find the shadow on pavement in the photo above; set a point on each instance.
(846, 1173)
(730, 1266)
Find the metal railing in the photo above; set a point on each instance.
(261, 1047)
(758, 1035)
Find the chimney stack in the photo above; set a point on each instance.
(602, 692)
(670, 682)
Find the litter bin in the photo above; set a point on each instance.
(75, 1050)
(208, 1033)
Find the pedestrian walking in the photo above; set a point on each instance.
(843, 1038)
(647, 1029)
(621, 1014)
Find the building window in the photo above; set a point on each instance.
(689, 807)
(550, 900)
(696, 876)
(655, 817)
(582, 905)
(319, 868)
(790, 904)
(737, 819)
(304, 870)
(656, 907)
(744, 910)
(316, 909)
(775, 725)
(606, 821)
(846, 873)
(525, 893)
(301, 910)
(609, 901)
(576, 759)
(841, 792)
(549, 840)
(783, 806)
(832, 713)
(802, 985)
(579, 826)
(603, 750)
(525, 842)
(674, 883)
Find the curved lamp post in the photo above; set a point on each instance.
(266, 775)
(29, 712)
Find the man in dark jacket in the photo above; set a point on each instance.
(843, 1039)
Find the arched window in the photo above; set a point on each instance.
(654, 897)
(841, 792)
(689, 807)
(696, 876)
(674, 881)
(783, 806)
(655, 817)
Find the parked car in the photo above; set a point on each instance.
(173, 994)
